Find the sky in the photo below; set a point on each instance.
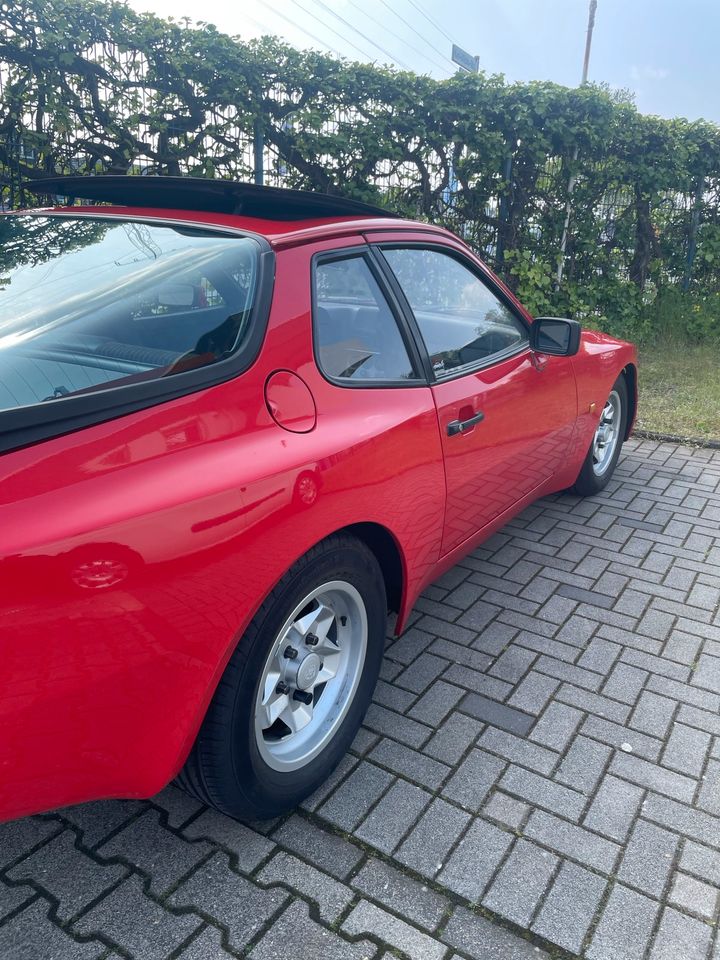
(664, 51)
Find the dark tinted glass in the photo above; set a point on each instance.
(87, 304)
(461, 320)
(356, 333)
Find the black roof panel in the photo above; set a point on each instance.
(212, 196)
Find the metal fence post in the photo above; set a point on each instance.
(258, 150)
(692, 233)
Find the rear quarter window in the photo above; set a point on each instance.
(87, 305)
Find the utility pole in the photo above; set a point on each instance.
(571, 181)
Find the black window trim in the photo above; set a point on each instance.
(24, 426)
(466, 368)
(406, 333)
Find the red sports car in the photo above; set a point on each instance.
(238, 426)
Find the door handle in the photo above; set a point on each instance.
(460, 426)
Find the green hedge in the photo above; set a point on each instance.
(93, 86)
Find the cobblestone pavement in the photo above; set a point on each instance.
(539, 774)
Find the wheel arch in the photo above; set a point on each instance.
(629, 372)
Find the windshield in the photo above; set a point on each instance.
(91, 303)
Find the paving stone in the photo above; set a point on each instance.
(583, 765)
(67, 874)
(625, 683)
(457, 654)
(19, 837)
(619, 736)
(231, 900)
(353, 799)
(394, 815)
(474, 860)
(393, 697)
(593, 703)
(161, 855)
(533, 693)
(570, 906)
(577, 631)
(421, 673)
(363, 742)
(470, 784)
(453, 738)
(508, 811)
(694, 896)
(497, 714)
(346, 765)
(707, 673)
(435, 704)
(648, 858)
(308, 939)
(650, 775)
(653, 714)
(366, 918)
(394, 725)
(684, 692)
(556, 727)
(136, 923)
(572, 841)
(477, 683)
(680, 936)
(13, 897)
(31, 935)
(401, 894)
(702, 861)
(614, 808)
(434, 835)
(677, 816)
(324, 849)
(410, 645)
(682, 647)
(249, 847)
(518, 750)
(625, 926)
(206, 946)
(331, 897)
(513, 664)
(482, 940)
(409, 763)
(97, 820)
(541, 792)
(178, 805)
(521, 882)
(686, 749)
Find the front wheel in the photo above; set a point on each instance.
(296, 687)
(607, 441)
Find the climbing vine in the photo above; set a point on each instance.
(90, 86)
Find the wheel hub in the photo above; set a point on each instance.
(304, 672)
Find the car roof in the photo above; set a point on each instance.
(284, 217)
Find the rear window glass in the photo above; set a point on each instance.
(88, 304)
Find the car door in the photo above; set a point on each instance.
(506, 415)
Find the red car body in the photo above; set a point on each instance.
(134, 552)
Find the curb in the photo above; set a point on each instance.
(675, 438)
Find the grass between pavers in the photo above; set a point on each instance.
(680, 390)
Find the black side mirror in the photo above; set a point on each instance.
(555, 336)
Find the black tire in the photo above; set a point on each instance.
(589, 481)
(225, 768)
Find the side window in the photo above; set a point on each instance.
(88, 305)
(461, 320)
(356, 334)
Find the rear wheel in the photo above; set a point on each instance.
(296, 687)
(607, 441)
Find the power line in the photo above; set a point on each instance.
(431, 21)
(363, 53)
(363, 35)
(396, 35)
(293, 23)
(416, 32)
